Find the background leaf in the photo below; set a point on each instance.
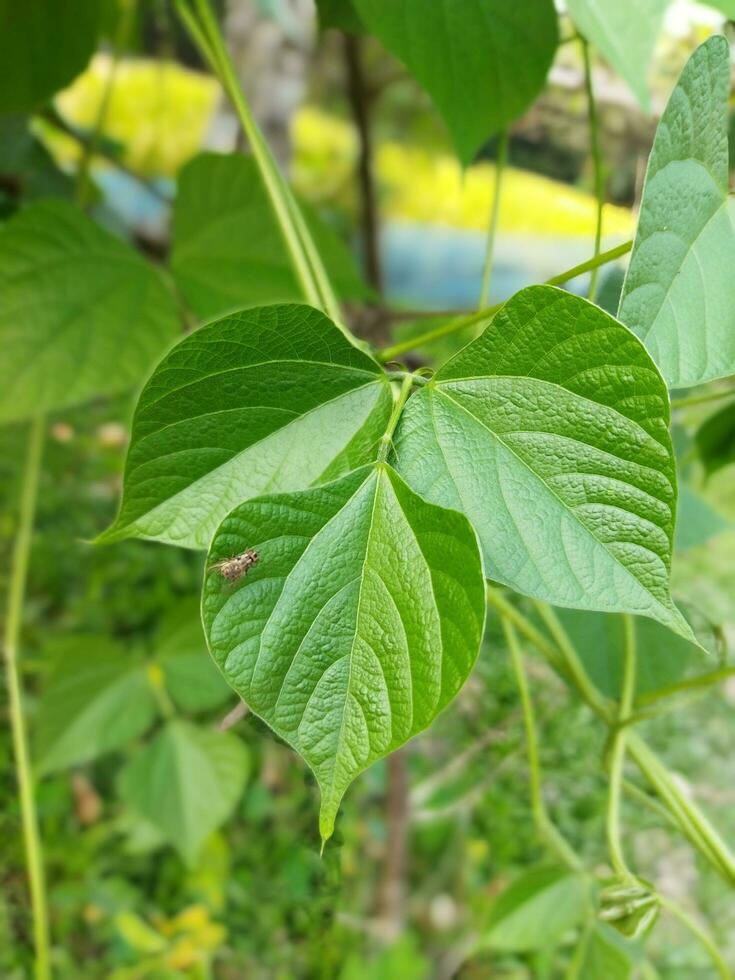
(43, 45)
(603, 953)
(679, 295)
(550, 432)
(96, 698)
(625, 33)
(186, 782)
(536, 910)
(482, 61)
(360, 622)
(697, 522)
(228, 251)
(715, 440)
(81, 314)
(191, 678)
(265, 400)
(663, 658)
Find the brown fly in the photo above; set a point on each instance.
(233, 569)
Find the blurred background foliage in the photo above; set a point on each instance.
(224, 878)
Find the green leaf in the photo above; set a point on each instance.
(715, 440)
(697, 522)
(604, 954)
(186, 783)
(228, 251)
(191, 678)
(44, 44)
(359, 623)
(550, 432)
(599, 638)
(536, 910)
(266, 400)
(483, 62)
(97, 698)
(339, 14)
(625, 32)
(81, 314)
(679, 294)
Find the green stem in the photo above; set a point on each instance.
(689, 818)
(573, 664)
(691, 684)
(699, 933)
(401, 395)
(317, 290)
(617, 753)
(472, 319)
(494, 218)
(712, 396)
(544, 826)
(24, 774)
(594, 124)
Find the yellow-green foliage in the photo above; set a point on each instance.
(160, 113)
(158, 110)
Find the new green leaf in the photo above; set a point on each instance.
(186, 783)
(603, 953)
(550, 432)
(266, 400)
(359, 623)
(625, 32)
(679, 293)
(228, 251)
(482, 61)
(81, 314)
(97, 698)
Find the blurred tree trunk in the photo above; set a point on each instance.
(271, 42)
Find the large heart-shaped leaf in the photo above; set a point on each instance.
(96, 698)
(266, 400)
(550, 432)
(679, 293)
(43, 45)
(228, 250)
(186, 783)
(625, 32)
(482, 61)
(81, 314)
(359, 623)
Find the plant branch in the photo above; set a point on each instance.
(699, 933)
(472, 319)
(199, 20)
(682, 687)
(594, 125)
(617, 752)
(712, 396)
(544, 826)
(487, 270)
(690, 820)
(360, 104)
(24, 774)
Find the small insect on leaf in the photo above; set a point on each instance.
(233, 569)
